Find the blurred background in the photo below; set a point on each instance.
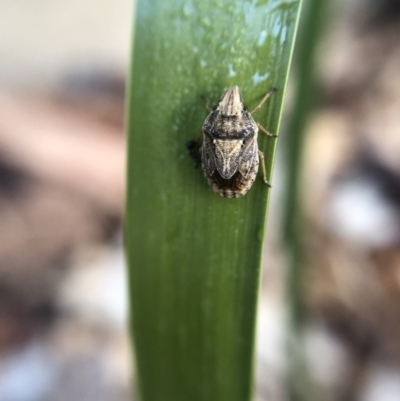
(63, 308)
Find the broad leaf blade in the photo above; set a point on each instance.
(194, 257)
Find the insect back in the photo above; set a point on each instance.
(229, 154)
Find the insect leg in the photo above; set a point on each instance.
(265, 131)
(261, 155)
(264, 100)
(207, 100)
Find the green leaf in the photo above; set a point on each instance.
(194, 257)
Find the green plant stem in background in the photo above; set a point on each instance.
(310, 32)
(194, 257)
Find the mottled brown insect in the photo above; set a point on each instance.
(229, 153)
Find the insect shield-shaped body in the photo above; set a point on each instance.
(229, 153)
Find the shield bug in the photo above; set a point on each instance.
(229, 152)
